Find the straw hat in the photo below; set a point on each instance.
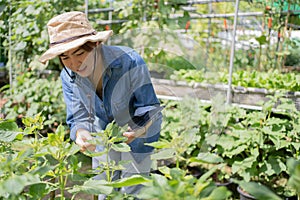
(68, 31)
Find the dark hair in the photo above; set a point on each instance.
(88, 46)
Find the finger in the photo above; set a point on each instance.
(90, 147)
(79, 142)
(82, 149)
(129, 140)
(128, 134)
(84, 139)
(82, 144)
(130, 137)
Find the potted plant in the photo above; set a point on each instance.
(294, 171)
(258, 144)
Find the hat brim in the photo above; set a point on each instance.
(58, 49)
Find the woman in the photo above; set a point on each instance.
(102, 84)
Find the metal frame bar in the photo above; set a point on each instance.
(232, 52)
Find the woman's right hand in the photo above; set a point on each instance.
(82, 138)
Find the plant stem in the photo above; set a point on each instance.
(62, 186)
(107, 166)
(177, 161)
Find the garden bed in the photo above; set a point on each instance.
(204, 91)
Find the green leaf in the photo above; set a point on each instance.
(9, 131)
(9, 136)
(165, 171)
(210, 172)
(294, 171)
(73, 149)
(164, 154)
(242, 167)
(60, 131)
(93, 187)
(20, 46)
(160, 181)
(156, 189)
(262, 39)
(276, 164)
(219, 193)
(207, 158)
(15, 184)
(29, 130)
(296, 145)
(39, 190)
(236, 151)
(259, 191)
(159, 144)
(213, 139)
(150, 193)
(130, 181)
(121, 147)
(42, 170)
(8, 125)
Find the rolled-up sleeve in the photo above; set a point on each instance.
(77, 115)
(145, 99)
(144, 94)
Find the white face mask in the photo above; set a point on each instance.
(88, 65)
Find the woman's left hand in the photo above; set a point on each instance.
(132, 134)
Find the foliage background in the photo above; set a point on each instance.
(150, 27)
(25, 22)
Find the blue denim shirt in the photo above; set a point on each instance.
(127, 92)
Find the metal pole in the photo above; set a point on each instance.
(209, 34)
(110, 18)
(9, 53)
(247, 14)
(228, 101)
(86, 7)
(193, 2)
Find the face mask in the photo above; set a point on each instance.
(88, 65)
